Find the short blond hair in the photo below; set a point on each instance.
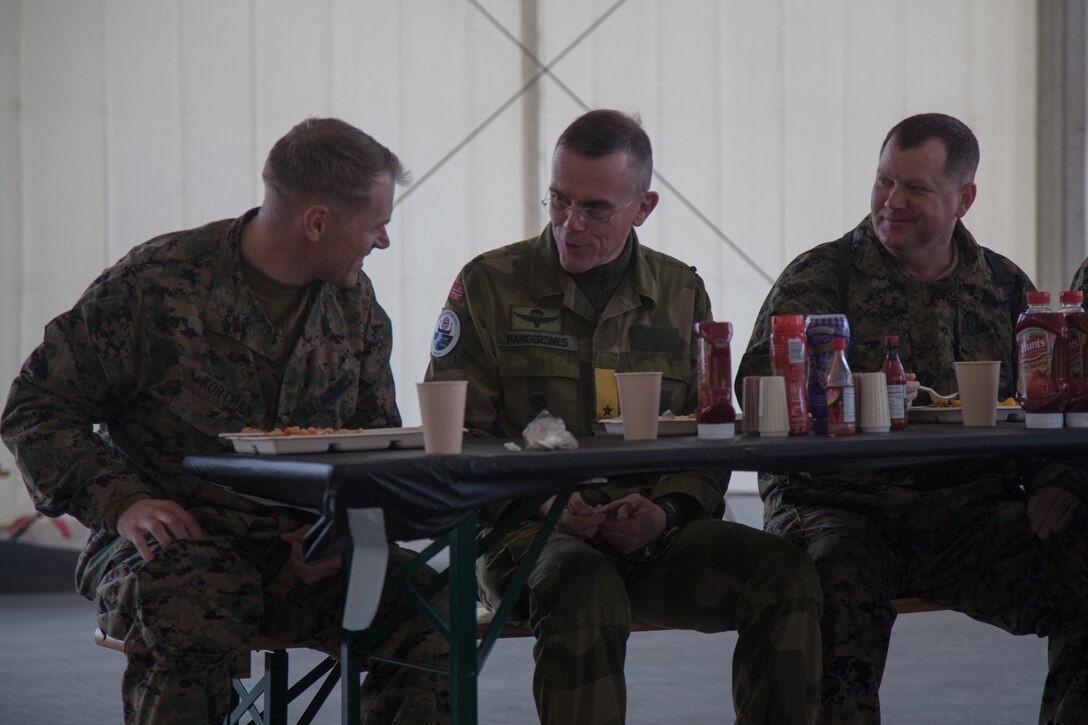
(329, 160)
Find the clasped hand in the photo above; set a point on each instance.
(167, 520)
(1050, 509)
(643, 523)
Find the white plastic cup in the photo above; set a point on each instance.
(978, 383)
(640, 404)
(442, 406)
(774, 413)
(874, 417)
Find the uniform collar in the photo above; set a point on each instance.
(966, 249)
(234, 312)
(548, 279)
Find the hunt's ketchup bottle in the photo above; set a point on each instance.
(897, 383)
(1076, 319)
(714, 417)
(1042, 388)
(789, 358)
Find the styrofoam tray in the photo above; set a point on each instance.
(953, 414)
(362, 440)
(673, 426)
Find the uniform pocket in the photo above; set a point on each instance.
(211, 405)
(535, 379)
(677, 393)
(537, 362)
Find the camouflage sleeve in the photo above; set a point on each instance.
(377, 401)
(1080, 279)
(807, 286)
(86, 367)
(706, 488)
(462, 349)
(1066, 471)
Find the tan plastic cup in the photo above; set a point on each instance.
(774, 413)
(872, 392)
(750, 403)
(442, 406)
(978, 382)
(640, 404)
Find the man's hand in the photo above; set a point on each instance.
(644, 521)
(1050, 509)
(912, 388)
(309, 572)
(165, 520)
(578, 519)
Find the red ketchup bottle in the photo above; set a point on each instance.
(1042, 388)
(897, 383)
(1076, 319)
(841, 420)
(714, 416)
(789, 358)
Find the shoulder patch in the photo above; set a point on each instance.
(447, 331)
(457, 292)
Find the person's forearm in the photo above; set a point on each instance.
(66, 466)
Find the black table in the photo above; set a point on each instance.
(436, 496)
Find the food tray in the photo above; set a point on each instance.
(671, 426)
(953, 414)
(362, 440)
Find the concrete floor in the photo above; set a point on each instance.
(943, 668)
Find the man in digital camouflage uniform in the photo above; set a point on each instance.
(263, 321)
(1002, 539)
(543, 324)
(1080, 279)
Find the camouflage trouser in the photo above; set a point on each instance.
(187, 615)
(717, 576)
(967, 548)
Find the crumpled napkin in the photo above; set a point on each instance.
(548, 432)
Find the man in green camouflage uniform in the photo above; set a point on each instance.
(1001, 538)
(263, 321)
(1080, 279)
(544, 324)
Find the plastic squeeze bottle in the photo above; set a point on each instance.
(789, 358)
(714, 416)
(841, 420)
(897, 383)
(1042, 339)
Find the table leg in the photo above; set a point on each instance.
(350, 705)
(349, 684)
(463, 668)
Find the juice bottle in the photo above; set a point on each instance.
(714, 417)
(897, 383)
(1076, 319)
(789, 358)
(1042, 339)
(840, 393)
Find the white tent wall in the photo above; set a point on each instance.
(123, 119)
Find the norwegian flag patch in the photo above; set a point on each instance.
(457, 292)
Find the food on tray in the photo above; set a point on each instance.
(955, 403)
(294, 430)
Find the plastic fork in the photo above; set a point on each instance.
(934, 394)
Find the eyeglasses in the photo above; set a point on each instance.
(559, 209)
